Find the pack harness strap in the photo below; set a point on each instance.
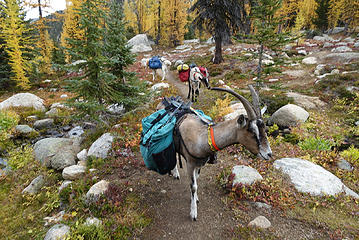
(211, 141)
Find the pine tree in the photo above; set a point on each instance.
(266, 27)
(321, 21)
(220, 17)
(105, 57)
(13, 31)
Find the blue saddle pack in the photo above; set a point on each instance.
(155, 63)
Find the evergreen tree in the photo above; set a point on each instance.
(266, 26)
(120, 83)
(220, 17)
(104, 56)
(5, 68)
(321, 21)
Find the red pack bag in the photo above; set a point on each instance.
(184, 75)
(204, 71)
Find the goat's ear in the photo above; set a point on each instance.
(241, 120)
(263, 110)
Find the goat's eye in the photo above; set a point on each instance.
(260, 123)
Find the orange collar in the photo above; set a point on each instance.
(211, 141)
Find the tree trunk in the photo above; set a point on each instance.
(158, 37)
(218, 54)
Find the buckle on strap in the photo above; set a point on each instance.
(211, 141)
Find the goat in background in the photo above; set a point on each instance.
(192, 139)
(194, 84)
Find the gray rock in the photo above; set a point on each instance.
(357, 123)
(191, 41)
(308, 177)
(238, 109)
(24, 129)
(245, 175)
(349, 40)
(158, 86)
(302, 52)
(210, 40)
(64, 185)
(73, 172)
(306, 102)
(32, 118)
(320, 69)
(58, 232)
(56, 153)
(139, 43)
(342, 57)
(82, 156)
(178, 62)
(116, 108)
(341, 49)
(295, 73)
(35, 185)
(262, 205)
(328, 45)
(341, 44)
(93, 221)
(23, 100)
(53, 112)
(335, 71)
(336, 30)
(101, 147)
(289, 115)
(288, 47)
(356, 45)
(96, 191)
(260, 222)
(267, 62)
(310, 60)
(344, 165)
(76, 132)
(58, 105)
(44, 123)
(64, 96)
(319, 38)
(182, 47)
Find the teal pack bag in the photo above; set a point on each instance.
(157, 146)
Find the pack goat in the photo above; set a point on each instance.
(192, 140)
(194, 84)
(165, 67)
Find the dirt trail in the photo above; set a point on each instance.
(168, 202)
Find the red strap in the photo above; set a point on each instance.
(212, 139)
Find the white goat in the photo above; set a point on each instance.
(193, 139)
(194, 84)
(165, 68)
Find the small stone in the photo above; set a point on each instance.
(335, 71)
(76, 132)
(260, 222)
(93, 221)
(262, 205)
(35, 185)
(302, 52)
(96, 191)
(54, 219)
(52, 112)
(273, 80)
(24, 129)
(73, 172)
(344, 165)
(64, 185)
(82, 163)
(57, 232)
(245, 175)
(44, 123)
(220, 82)
(31, 118)
(63, 96)
(163, 191)
(310, 60)
(82, 156)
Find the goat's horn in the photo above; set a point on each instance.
(255, 99)
(246, 104)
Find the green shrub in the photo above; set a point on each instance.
(315, 143)
(20, 157)
(351, 154)
(8, 120)
(85, 232)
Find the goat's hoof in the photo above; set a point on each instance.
(194, 219)
(178, 178)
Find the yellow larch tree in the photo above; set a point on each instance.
(13, 30)
(344, 10)
(70, 28)
(306, 14)
(174, 20)
(288, 12)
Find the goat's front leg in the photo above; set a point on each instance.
(153, 74)
(193, 96)
(175, 173)
(192, 171)
(164, 72)
(189, 89)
